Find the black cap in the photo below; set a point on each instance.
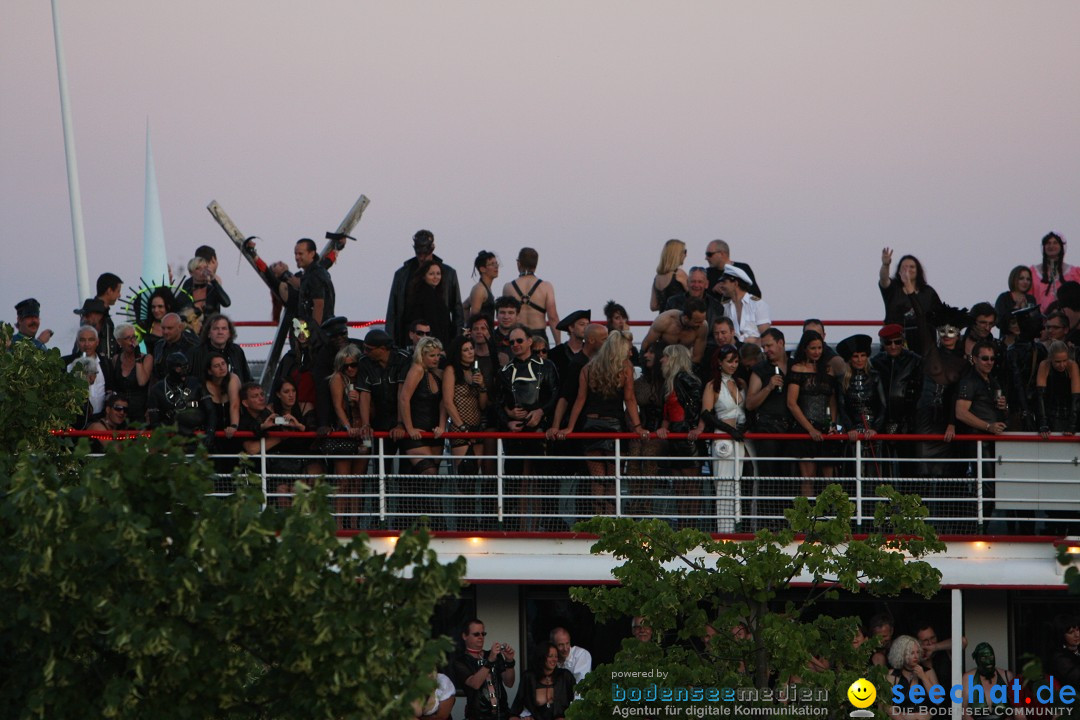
(176, 359)
(855, 343)
(28, 308)
(572, 318)
(337, 325)
(92, 305)
(378, 338)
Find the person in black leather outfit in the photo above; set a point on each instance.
(1057, 388)
(861, 400)
(182, 401)
(682, 410)
(528, 389)
(900, 373)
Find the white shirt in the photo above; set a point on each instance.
(578, 662)
(755, 311)
(444, 689)
(97, 389)
(727, 408)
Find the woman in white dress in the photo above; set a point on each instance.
(723, 410)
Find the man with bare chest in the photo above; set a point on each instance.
(685, 327)
(537, 297)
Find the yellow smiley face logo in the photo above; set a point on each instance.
(862, 693)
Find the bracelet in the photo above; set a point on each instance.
(233, 426)
(509, 665)
(987, 427)
(482, 388)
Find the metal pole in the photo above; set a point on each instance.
(618, 480)
(262, 466)
(858, 484)
(500, 468)
(957, 648)
(979, 483)
(382, 480)
(82, 274)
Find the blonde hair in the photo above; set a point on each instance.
(194, 263)
(424, 345)
(671, 257)
(345, 354)
(606, 367)
(678, 361)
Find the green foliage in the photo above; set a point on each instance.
(129, 593)
(687, 584)
(36, 395)
(1072, 574)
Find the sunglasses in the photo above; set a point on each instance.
(421, 333)
(517, 341)
(540, 351)
(120, 408)
(479, 634)
(710, 253)
(898, 341)
(987, 358)
(350, 365)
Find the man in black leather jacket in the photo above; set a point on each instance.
(528, 389)
(900, 372)
(182, 401)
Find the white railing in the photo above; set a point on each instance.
(1026, 486)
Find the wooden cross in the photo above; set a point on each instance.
(334, 245)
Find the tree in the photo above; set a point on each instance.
(129, 592)
(717, 599)
(36, 395)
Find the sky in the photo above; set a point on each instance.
(807, 135)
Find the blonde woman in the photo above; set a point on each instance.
(420, 407)
(682, 411)
(605, 399)
(346, 403)
(670, 278)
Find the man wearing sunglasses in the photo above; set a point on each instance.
(114, 417)
(484, 676)
(900, 372)
(980, 403)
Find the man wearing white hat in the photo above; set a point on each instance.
(749, 312)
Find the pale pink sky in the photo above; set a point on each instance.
(808, 135)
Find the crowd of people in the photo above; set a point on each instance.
(710, 362)
(484, 674)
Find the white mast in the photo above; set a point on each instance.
(155, 266)
(82, 274)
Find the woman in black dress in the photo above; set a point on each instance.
(160, 303)
(671, 279)
(897, 292)
(425, 302)
(546, 689)
(421, 410)
(420, 407)
(130, 375)
(811, 398)
(1057, 387)
(481, 300)
(605, 399)
(1017, 297)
